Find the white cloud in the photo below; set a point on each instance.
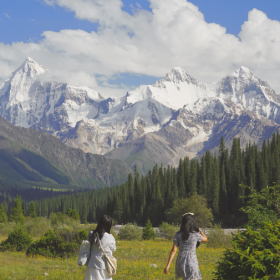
(7, 15)
(173, 34)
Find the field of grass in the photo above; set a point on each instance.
(134, 260)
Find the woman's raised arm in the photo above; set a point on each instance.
(204, 236)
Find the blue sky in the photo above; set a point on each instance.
(26, 21)
(30, 18)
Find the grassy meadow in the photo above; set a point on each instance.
(134, 260)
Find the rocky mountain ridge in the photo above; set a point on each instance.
(176, 116)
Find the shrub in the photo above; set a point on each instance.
(7, 228)
(254, 255)
(56, 218)
(18, 240)
(37, 226)
(217, 238)
(130, 232)
(148, 231)
(62, 243)
(168, 231)
(195, 204)
(262, 206)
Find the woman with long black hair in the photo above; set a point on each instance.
(96, 269)
(187, 239)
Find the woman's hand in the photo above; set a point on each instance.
(165, 271)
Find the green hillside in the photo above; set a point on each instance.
(30, 158)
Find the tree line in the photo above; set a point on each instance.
(218, 177)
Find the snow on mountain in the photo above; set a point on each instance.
(117, 125)
(192, 110)
(25, 101)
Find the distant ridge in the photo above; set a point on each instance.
(33, 158)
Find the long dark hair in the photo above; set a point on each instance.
(104, 225)
(188, 225)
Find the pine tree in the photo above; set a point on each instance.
(157, 204)
(3, 217)
(174, 185)
(181, 180)
(84, 212)
(187, 174)
(193, 177)
(17, 213)
(215, 187)
(32, 211)
(148, 231)
(223, 196)
(119, 210)
(202, 190)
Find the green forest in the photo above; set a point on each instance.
(220, 178)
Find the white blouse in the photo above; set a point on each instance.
(96, 258)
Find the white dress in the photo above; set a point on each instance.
(96, 269)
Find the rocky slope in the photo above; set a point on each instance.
(176, 116)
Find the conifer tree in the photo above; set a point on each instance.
(168, 196)
(157, 204)
(130, 190)
(202, 190)
(187, 174)
(148, 231)
(137, 193)
(118, 210)
(32, 211)
(193, 177)
(215, 187)
(180, 179)
(17, 213)
(3, 217)
(84, 212)
(174, 185)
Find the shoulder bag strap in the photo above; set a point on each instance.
(100, 245)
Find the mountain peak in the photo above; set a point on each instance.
(31, 67)
(242, 72)
(29, 59)
(177, 75)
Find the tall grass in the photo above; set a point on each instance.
(134, 260)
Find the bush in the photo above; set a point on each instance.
(7, 228)
(60, 222)
(216, 238)
(62, 243)
(195, 204)
(37, 226)
(130, 232)
(148, 231)
(168, 231)
(18, 240)
(262, 207)
(254, 255)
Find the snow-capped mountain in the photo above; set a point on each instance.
(179, 113)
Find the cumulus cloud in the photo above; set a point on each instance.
(173, 34)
